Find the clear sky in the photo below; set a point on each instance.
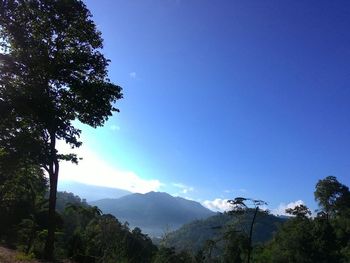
(223, 99)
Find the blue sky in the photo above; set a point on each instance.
(226, 98)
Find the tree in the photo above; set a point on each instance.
(22, 190)
(169, 255)
(293, 242)
(237, 242)
(324, 238)
(52, 72)
(332, 196)
(239, 205)
(300, 211)
(334, 199)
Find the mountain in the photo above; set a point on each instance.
(154, 212)
(192, 236)
(91, 192)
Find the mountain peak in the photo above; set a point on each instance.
(154, 212)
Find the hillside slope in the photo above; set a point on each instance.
(154, 212)
(192, 236)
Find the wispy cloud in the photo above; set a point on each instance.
(217, 205)
(240, 190)
(93, 170)
(114, 127)
(132, 75)
(281, 209)
(184, 188)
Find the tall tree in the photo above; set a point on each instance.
(332, 196)
(52, 72)
(300, 211)
(240, 204)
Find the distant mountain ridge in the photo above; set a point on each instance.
(91, 192)
(192, 236)
(154, 212)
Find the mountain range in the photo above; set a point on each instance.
(185, 224)
(155, 213)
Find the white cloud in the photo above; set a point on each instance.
(93, 170)
(221, 205)
(184, 188)
(114, 127)
(281, 209)
(217, 204)
(132, 75)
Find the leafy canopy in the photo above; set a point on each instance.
(51, 73)
(332, 196)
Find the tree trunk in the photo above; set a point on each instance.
(53, 175)
(251, 234)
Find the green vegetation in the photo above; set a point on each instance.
(218, 230)
(301, 238)
(324, 238)
(84, 234)
(51, 73)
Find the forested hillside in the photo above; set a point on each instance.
(154, 212)
(85, 234)
(195, 235)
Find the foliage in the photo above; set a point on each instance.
(51, 73)
(86, 235)
(332, 196)
(240, 205)
(66, 198)
(91, 236)
(193, 236)
(169, 255)
(325, 238)
(22, 189)
(24, 257)
(301, 238)
(236, 247)
(300, 211)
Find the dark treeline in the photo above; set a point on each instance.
(323, 236)
(84, 234)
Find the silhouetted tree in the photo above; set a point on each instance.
(300, 211)
(332, 196)
(240, 204)
(51, 73)
(324, 238)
